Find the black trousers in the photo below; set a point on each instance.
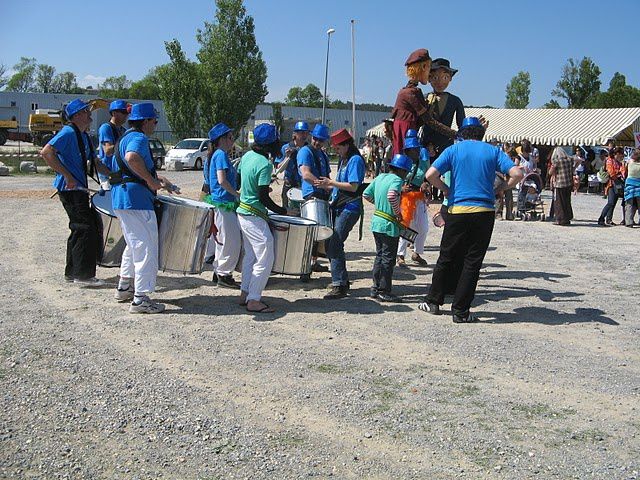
(563, 213)
(465, 238)
(386, 251)
(83, 242)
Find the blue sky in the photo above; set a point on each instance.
(489, 42)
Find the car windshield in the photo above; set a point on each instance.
(189, 144)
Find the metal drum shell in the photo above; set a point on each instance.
(293, 240)
(409, 234)
(113, 241)
(183, 233)
(317, 210)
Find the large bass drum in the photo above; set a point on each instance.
(113, 242)
(293, 239)
(183, 232)
(318, 211)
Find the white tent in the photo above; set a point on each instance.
(556, 126)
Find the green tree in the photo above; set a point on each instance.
(179, 86)
(146, 88)
(617, 81)
(24, 78)
(44, 78)
(552, 104)
(579, 82)
(232, 71)
(619, 95)
(3, 78)
(277, 117)
(295, 97)
(65, 82)
(115, 87)
(518, 91)
(312, 96)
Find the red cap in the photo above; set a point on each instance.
(340, 136)
(419, 55)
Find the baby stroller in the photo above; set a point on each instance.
(530, 205)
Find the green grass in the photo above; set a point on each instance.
(542, 410)
(327, 368)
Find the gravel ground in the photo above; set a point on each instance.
(545, 386)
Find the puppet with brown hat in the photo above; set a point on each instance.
(411, 110)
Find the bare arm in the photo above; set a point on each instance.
(327, 183)
(433, 177)
(307, 175)
(49, 155)
(108, 148)
(515, 176)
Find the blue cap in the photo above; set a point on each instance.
(118, 105)
(411, 142)
(142, 111)
(401, 161)
(217, 131)
(74, 107)
(470, 122)
(264, 134)
(321, 132)
(411, 133)
(301, 127)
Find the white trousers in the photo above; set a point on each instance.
(229, 236)
(420, 224)
(211, 247)
(257, 241)
(140, 257)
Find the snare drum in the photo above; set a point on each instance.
(295, 194)
(409, 234)
(113, 242)
(317, 210)
(293, 240)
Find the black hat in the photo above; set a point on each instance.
(443, 63)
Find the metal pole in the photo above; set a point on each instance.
(326, 73)
(353, 83)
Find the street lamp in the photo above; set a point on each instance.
(326, 72)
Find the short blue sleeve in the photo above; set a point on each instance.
(62, 139)
(221, 160)
(443, 162)
(305, 157)
(424, 154)
(504, 162)
(105, 134)
(355, 170)
(140, 145)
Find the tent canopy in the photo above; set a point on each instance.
(556, 126)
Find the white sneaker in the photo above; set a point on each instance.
(89, 282)
(147, 306)
(124, 295)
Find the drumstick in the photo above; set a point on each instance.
(282, 165)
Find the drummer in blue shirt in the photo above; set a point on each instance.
(108, 135)
(289, 153)
(132, 200)
(347, 210)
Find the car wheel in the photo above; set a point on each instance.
(198, 164)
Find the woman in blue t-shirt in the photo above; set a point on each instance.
(347, 207)
(222, 179)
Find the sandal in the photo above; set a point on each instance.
(265, 309)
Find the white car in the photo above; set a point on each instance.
(191, 152)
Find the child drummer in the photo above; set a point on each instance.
(384, 193)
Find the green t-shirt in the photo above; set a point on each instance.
(423, 166)
(378, 190)
(255, 171)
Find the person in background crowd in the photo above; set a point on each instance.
(108, 135)
(347, 207)
(388, 150)
(67, 154)
(289, 154)
(223, 182)
(614, 187)
(589, 159)
(384, 193)
(562, 181)
(578, 169)
(632, 188)
(380, 159)
(469, 225)
(600, 160)
(132, 198)
(255, 170)
(525, 160)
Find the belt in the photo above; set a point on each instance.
(254, 211)
(386, 216)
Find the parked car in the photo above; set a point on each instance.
(158, 152)
(192, 152)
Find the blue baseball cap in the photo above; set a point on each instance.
(411, 133)
(321, 132)
(117, 105)
(401, 161)
(75, 106)
(411, 142)
(143, 111)
(301, 127)
(264, 134)
(470, 122)
(217, 131)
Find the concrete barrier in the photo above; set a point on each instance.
(28, 167)
(173, 166)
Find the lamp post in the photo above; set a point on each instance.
(326, 72)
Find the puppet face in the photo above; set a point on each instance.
(419, 71)
(440, 79)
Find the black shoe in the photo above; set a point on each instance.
(210, 259)
(373, 293)
(336, 292)
(316, 267)
(610, 223)
(470, 318)
(227, 281)
(432, 308)
(305, 278)
(215, 278)
(388, 297)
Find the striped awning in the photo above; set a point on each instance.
(558, 126)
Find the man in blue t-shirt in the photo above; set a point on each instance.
(473, 165)
(289, 154)
(313, 163)
(67, 154)
(109, 133)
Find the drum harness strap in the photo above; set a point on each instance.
(254, 211)
(343, 197)
(124, 174)
(386, 216)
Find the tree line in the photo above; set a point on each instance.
(579, 86)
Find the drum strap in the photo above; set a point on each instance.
(386, 216)
(254, 211)
(124, 173)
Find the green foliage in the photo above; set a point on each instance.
(552, 104)
(178, 82)
(619, 95)
(232, 72)
(579, 82)
(24, 78)
(277, 118)
(65, 82)
(518, 91)
(146, 88)
(309, 96)
(3, 77)
(115, 87)
(44, 78)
